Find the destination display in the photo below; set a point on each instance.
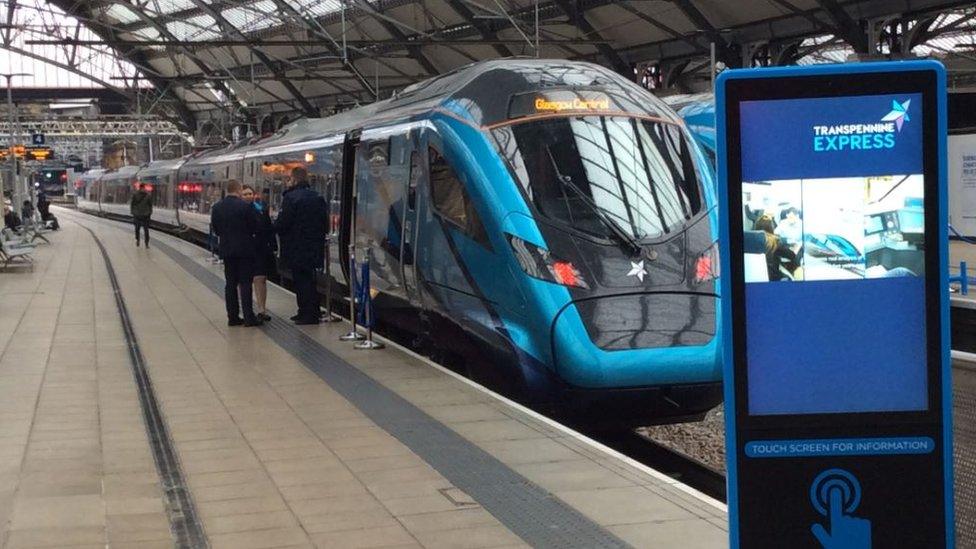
(834, 245)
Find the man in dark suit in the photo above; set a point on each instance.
(302, 225)
(236, 224)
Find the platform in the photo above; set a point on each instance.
(284, 435)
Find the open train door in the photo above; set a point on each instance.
(347, 194)
(410, 223)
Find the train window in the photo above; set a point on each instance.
(452, 201)
(604, 175)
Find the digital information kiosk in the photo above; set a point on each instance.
(834, 277)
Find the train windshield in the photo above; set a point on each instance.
(610, 176)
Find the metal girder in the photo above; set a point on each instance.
(307, 107)
(138, 59)
(847, 27)
(316, 28)
(397, 34)
(723, 49)
(103, 126)
(661, 26)
(465, 12)
(201, 65)
(578, 16)
(409, 43)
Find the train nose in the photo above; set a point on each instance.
(647, 321)
(638, 339)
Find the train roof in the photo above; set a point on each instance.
(479, 93)
(124, 171)
(92, 174)
(158, 166)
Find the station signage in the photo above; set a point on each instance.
(837, 379)
(27, 153)
(38, 153)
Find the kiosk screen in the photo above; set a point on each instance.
(830, 236)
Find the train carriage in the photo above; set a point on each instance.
(87, 190)
(549, 222)
(160, 180)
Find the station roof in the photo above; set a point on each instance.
(303, 55)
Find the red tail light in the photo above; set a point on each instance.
(707, 265)
(539, 263)
(566, 274)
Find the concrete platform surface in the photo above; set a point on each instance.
(285, 436)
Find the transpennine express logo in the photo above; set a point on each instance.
(858, 137)
(898, 114)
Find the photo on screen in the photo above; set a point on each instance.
(848, 228)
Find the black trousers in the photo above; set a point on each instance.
(144, 223)
(305, 292)
(238, 276)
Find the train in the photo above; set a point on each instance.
(548, 224)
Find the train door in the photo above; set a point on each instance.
(417, 173)
(347, 192)
(380, 196)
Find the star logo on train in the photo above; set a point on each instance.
(898, 114)
(637, 269)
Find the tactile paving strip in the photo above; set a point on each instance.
(529, 511)
(964, 427)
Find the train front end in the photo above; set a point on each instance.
(618, 248)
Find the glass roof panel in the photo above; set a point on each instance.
(317, 8)
(169, 6)
(254, 17)
(57, 65)
(121, 13)
(199, 27)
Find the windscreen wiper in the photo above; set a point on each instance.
(622, 235)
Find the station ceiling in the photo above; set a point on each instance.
(307, 55)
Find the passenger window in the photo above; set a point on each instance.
(452, 201)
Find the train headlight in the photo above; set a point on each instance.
(539, 263)
(707, 265)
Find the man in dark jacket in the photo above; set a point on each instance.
(141, 208)
(235, 222)
(44, 207)
(302, 225)
(10, 219)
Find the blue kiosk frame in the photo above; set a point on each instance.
(767, 448)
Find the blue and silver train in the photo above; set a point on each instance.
(550, 223)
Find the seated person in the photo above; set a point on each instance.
(779, 256)
(790, 228)
(10, 219)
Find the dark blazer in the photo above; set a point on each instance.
(266, 241)
(236, 223)
(302, 226)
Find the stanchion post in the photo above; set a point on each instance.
(329, 317)
(353, 334)
(368, 344)
(964, 275)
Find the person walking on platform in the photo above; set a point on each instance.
(236, 225)
(265, 264)
(302, 225)
(141, 208)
